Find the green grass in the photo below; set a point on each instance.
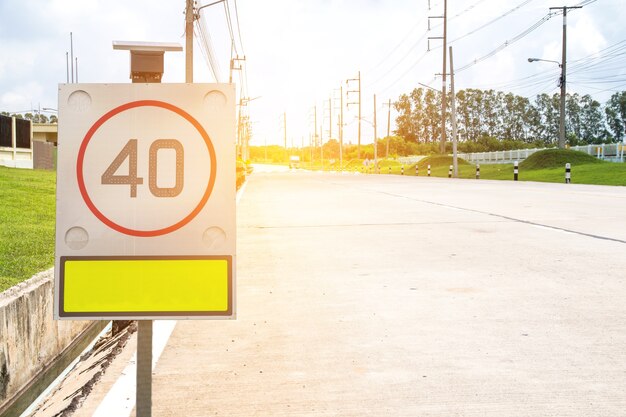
(27, 215)
(544, 166)
(604, 173)
(557, 158)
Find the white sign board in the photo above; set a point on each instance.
(145, 201)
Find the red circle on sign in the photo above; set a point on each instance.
(109, 222)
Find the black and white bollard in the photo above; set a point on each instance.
(402, 170)
(568, 173)
(390, 169)
(417, 170)
(477, 171)
(515, 170)
(429, 170)
(450, 172)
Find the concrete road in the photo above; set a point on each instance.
(402, 296)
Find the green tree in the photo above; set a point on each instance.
(592, 121)
(615, 111)
(573, 123)
(404, 121)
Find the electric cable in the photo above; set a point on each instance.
(508, 42)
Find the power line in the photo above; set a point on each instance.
(509, 42)
(585, 2)
(408, 54)
(386, 58)
(230, 28)
(409, 69)
(404, 57)
(519, 6)
(460, 13)
(239, 28)
(206, 45)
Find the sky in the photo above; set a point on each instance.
(298, 54)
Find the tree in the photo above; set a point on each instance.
(404, 121)
(573, 123)
(615, 111)
(592, 123)
(493, 120)
(546, 125)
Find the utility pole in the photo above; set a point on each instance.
(189, 42)
(453, 110)
(358, 79)
(443, 79)
(340, 126)
(239, 128)
(388, 127)
(359, 135)
(322, 145)
(311, 151)
(67, 67)
(375, 142)
(330, 118)
(285, 130)
(563, 73)
(315, 124)
(442, 148)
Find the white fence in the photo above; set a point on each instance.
(610, 152)
(16, 157)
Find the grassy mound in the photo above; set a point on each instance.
(352, 164)
(386, 163)
(556, 158)
(439, 161)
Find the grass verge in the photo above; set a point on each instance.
(544, 166)
(27, 215)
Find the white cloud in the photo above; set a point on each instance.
(584, 37)
(22, 97)
(297, 52)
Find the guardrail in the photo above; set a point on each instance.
(613, 152)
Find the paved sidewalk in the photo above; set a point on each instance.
(394, 296)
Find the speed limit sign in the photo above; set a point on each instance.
(145, 201)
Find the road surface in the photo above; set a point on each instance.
(361, 295)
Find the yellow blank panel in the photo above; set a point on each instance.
(146, 285)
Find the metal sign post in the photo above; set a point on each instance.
(145, 203)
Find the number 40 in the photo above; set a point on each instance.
(129, 151)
